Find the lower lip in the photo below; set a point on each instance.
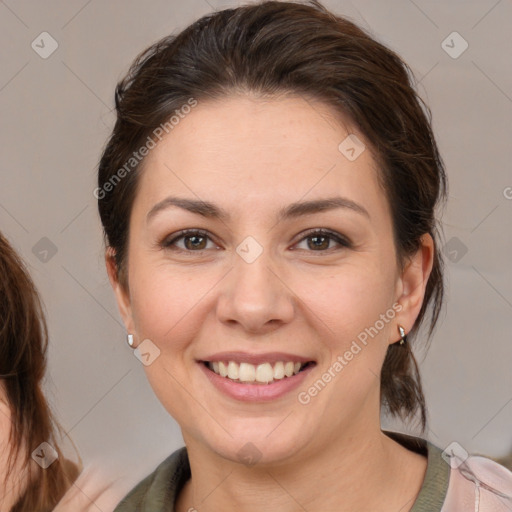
(256, 392)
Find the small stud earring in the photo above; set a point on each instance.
(402, 334)
(129, 339)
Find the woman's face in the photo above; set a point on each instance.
(258, 283)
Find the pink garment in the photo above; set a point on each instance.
(478, 484)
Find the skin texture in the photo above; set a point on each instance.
(253, 157)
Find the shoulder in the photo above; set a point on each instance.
(157, 491)
(458, 482)
(478, 483)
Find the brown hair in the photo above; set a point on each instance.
(23, 345)
(273, 48)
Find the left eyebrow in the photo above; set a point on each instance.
(319, 205)
(294, 210)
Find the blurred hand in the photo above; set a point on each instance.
(93, 491)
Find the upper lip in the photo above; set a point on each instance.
(245, 357)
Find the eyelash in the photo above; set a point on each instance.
(341, 240)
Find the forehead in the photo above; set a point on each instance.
(246, 151)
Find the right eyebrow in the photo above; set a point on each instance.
(203, 208)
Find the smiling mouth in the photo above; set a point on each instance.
(265, 373)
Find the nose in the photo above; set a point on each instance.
(255, 296)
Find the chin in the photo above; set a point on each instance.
(256, 446)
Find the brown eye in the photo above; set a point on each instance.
(193, 241)
(320, 240)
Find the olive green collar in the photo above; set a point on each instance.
(435, 485)
(159, 490)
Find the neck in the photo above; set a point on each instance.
(360, 471)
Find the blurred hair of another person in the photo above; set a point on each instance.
(26, 420)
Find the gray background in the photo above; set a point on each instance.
(56, 118)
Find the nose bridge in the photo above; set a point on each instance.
(252, 270)
(254, 294)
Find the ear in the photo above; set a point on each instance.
(413, 282)
(122, 294)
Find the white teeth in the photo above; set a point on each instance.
(223, 369)
(288, 369)
(279, 370)
(246, 372)
(263, 373)
(232, 370)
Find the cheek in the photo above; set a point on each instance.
(165, 301)
(346, 301)
(354, 315)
